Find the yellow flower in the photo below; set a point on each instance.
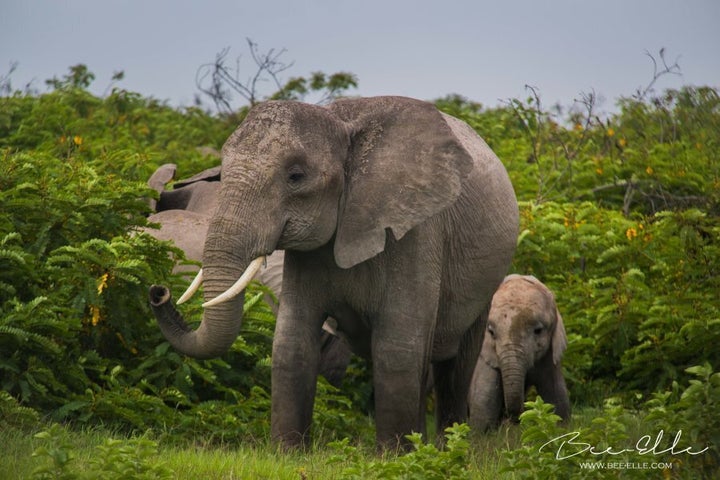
(631, 233)
(95, 315)
(63, 139)
(578, 127)
(610, 132)
(599, 171)
(649, 170)
(622, 142)
(77, 140)
(102, 283)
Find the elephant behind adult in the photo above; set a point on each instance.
(523, 347)
(396, 219)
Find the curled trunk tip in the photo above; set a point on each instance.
(159, 295)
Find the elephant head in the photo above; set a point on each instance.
(295, 176)
(524, 341)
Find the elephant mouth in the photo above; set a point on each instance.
(232, 292)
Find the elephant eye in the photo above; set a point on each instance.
(538, 330)
(491, 330)
(295, 174)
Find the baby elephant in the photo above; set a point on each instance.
(523, 345)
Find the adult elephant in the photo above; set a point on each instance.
(523, 347)
(396, 219)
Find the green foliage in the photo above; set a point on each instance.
(14, 415)
(638, 296)
(425, 461)
(676, 433)
(692, 411)
(74, 271)
(116, 459)
(656, 154)
(328, 87)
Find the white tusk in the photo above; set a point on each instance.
(192, 288)
(238, 286)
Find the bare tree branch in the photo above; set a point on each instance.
(5, 85)
(673, 69)
(219, 82)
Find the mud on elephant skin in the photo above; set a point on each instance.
(396, 219)
(187, 228)
(523, 347)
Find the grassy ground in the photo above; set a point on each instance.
(246, 461)
(216, 462)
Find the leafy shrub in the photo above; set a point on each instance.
(636, 295)
(116, 459)
(74, 271)
(656, 154)
(678, 434)
(14, 415)
(424, 461)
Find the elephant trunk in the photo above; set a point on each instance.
(234, 251)
(512, 367)
(219, 328)
(224, 276)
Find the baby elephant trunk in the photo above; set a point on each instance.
(513, 381)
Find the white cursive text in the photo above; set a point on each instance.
(568, 446)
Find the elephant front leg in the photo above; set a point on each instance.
(485, 398)
(550, 383)
(399, 374)
(296, 354)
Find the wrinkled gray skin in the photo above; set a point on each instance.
(523, 346)
(186, 222)
(396, 220)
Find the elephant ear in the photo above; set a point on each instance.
(559, 339)
(209, 175)
(159, 179)
(488, 353)
(558, 342)
(405, 165)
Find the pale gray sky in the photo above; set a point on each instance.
(484, 50)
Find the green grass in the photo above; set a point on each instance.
(260, 460)
(244, 461)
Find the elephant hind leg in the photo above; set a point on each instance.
(452, 378)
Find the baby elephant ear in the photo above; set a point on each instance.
(559, 339)
(405, 165)
(488, 353)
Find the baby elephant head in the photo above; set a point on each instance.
(524, 341)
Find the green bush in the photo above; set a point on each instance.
(115, 460)
(676, 432)
(74, 272)
(425, 461)
(638, 296)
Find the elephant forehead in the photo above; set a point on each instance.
(280, 126)
(256, 138)
(515, 322)
(518, 296)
